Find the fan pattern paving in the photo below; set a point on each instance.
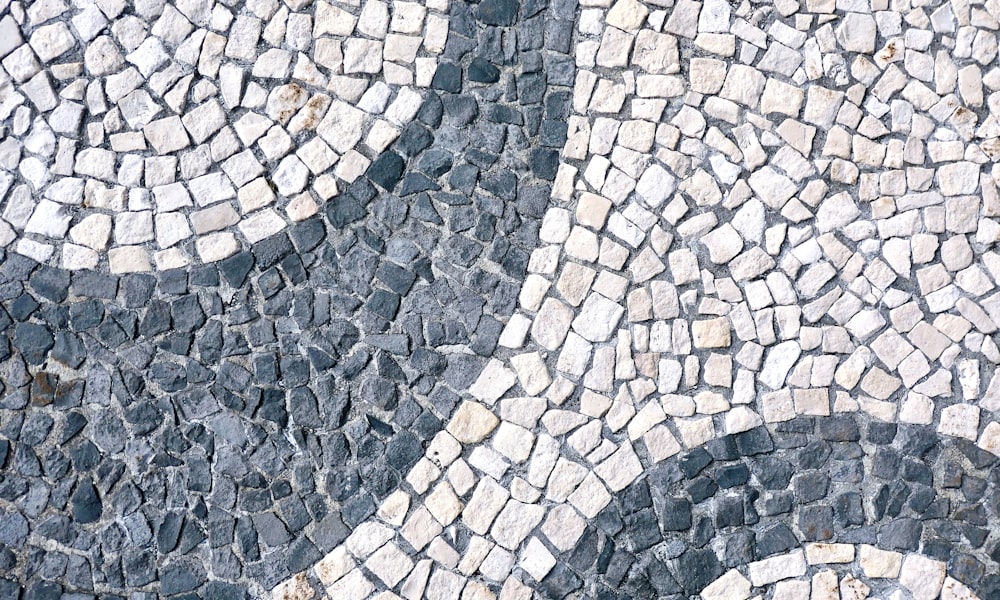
(616, 299)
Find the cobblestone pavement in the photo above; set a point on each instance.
(499, 300)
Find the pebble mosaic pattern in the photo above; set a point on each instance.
(459, 301)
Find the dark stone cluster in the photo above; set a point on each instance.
(762, 493)
(211, 431)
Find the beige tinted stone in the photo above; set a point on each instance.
(878, 563)
(472, 422)
(707, 75)
(711, 333)
(821, 553)
(443, 504)
(295, 588)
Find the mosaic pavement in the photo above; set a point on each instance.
(502, 300)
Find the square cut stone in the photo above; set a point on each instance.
(711, 333)
(592, 210)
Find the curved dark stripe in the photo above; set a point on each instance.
(762, 493)
(234, 421)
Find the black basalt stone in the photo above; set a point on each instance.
(775, 540)
(849, 509)
(139, 567)
(187, 314)
(431, 110)
(498, 12)
(92, 284)
(415, 183)
(618, 566)
(917, 472)
(270, 251)
(236, 268)
(675, 514)
(343, 211)
(636, 497)
(13, 528)
(661, 580)
(642, 529)
(415, 139)
(387, 170)
(729, 511)
(885, 463)
(85, 315)
(732, 476)
(753, 442)
(181, 576)
(435, 162)
(460, 111)
(814, 454)
(43, 590)
(464, 178)
(50, 283)
(694, 462)
(481, 71)
(560, 582)
(302, 554)
(447, 78)
(220, 590)
(270, 529)
(87, 506)
(810, 486)
(383, 303)
(816, 522)
(901, 534)
(881, 433)
(966, 568)
(773, 473)
(403, 451)
(33, 341)
(838, 429)
(503, 185)
(695, 569)
(23, 307)
(136, 289)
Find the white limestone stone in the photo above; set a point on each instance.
(515, 522)
(776, 568)
(730, 586)
(621, 468)
(960, 420)
(216, 246)
(923, 576)
(598, 318)
(129, 259)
